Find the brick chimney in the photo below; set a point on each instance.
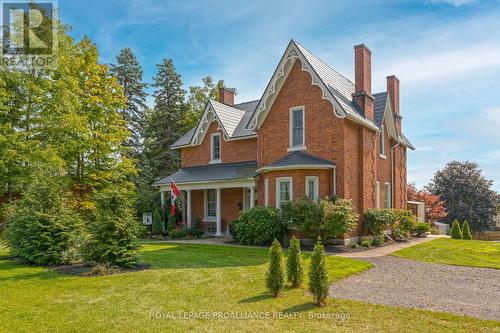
(363, 79)
(226, 96)
(393, 90)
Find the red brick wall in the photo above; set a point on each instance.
(230, 205)
(325, 179)
(322, 127)
(231, 151)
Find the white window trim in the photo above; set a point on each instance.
(387, 185)
(205, 205)
(334, 170)
(377, 193)
(382, 142)
(266, 192)
(278, 180)
(219, 160)
(316, 185)
(290, 129)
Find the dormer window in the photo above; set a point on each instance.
(382, 142)
(297, 129)
(216, 148)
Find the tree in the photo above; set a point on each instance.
(318, 275)
(128, 73)
(456, 232)
(275, 275)
(198, 98)
(43, 225)
(466, 234)
(113, 230)
(295, 272)
(164, 121)
(157, 227)
(467, 194)
(433, 203)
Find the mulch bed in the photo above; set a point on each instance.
(85, 270)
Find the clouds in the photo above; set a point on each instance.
(455, 3)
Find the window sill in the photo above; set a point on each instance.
(215, 161)
(298, 148)
(209, 220)
(382, 156)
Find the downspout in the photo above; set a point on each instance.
(393, 188)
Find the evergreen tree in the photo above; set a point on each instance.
(466, 234)
(198, 98)
(164, 121)
(318, 276)
(128, 73)
(295, 272)
(275, 275)
(456, 232)
(157, 227)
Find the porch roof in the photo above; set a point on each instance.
(299, 159)
(213, 172)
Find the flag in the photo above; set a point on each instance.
(174, 194)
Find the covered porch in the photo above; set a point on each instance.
(213, 195)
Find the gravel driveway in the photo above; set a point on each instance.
(402, 282)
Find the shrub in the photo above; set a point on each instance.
(338, 218)
(456, 232)
(354, 245)
(180, 233)
(403, 223)
(259, 225)
(318, 276)
(171, 223)
(377, 220)
(195, 233)
(466, 234)
(157, 227)
(113, 230)
(233, 228)
(305, 214)
(42, 226)
(295, 271)
(366, 243)
(378, 240)
(325, 219)
(421, 228)
(275, 275)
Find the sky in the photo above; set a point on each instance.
(446, 54)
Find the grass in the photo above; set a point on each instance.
(196, 279)
(455, 252)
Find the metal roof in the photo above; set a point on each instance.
(204, 173)
(298, 158)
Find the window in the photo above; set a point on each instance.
(215, 150)
(246, 199)
(382, 142)
(297, 128)
(266, 192)
(387, 195)
(377, 195)
(210, 205)
(312, 188)
(283, 190)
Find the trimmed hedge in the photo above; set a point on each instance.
(258, 225)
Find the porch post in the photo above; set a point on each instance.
(218, 214)
(188, 208)
(162, 199)
(252, 196)
(184, 216)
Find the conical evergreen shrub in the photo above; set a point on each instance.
(318, 276)
(295, 272)
(275, 275)
(466, 234)
(456, 232)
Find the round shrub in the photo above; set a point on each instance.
(258, 225)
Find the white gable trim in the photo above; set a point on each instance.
(291, 54)
(389, 121)
(209, 115)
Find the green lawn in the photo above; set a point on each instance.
(195, 278)
(455, 252)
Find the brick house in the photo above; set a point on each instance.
(313, 133)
